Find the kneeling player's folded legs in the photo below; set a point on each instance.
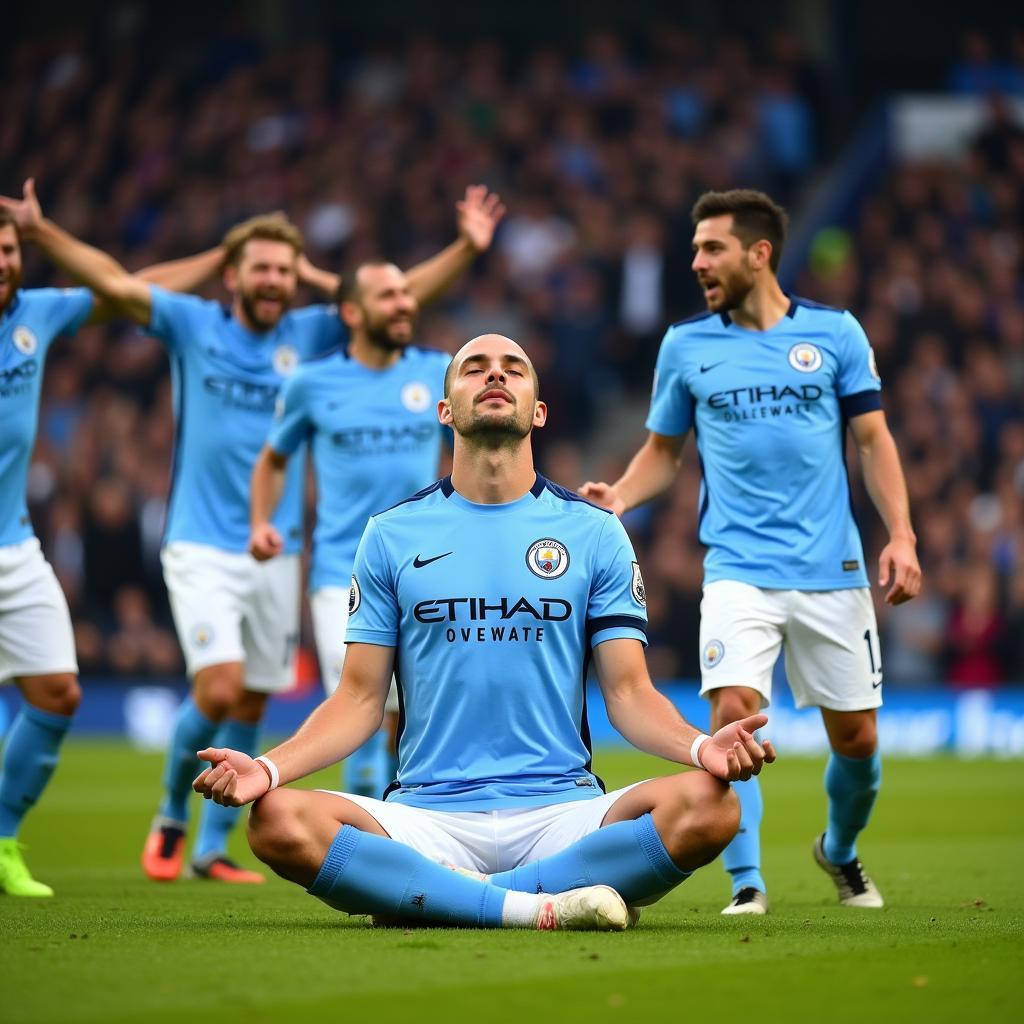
(653, 837)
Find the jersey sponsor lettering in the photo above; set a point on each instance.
(482, 729)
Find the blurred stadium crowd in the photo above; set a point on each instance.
(599, 156)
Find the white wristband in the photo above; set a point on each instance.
(275, 775)
(695, 749)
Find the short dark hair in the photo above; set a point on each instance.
(755, 216)
(350, 290)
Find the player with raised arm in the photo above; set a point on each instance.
(769, 384)
(237, 619)
(37, 648)
(488, 594)
(368, 411)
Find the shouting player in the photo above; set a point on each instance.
(769, 384)
(488, 594)
(237, 619)
(36, 640)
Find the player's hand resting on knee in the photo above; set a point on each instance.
(233, 778)
(733, 754)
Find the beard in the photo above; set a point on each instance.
(379, 334)
(250, 303)
(9, 289)
(734, 289)
(490, 430)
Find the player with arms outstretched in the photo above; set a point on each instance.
(37, 648)
(769, 384)
(488, 594)
(237, 619)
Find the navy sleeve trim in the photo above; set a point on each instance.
(860, 403)
(613, 621)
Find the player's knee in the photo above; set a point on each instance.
(216, 694)
(703, 820)
(59, 695)
(732, 704)
(274, 827)
(859, 742)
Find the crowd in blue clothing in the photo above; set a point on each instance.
(599, 154)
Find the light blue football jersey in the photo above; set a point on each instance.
(769, 410)
(494, 610)
(375, 438)
(29, 324)
(226, 381)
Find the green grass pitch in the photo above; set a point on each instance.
(946, 847)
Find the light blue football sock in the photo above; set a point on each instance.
(367, 874)
(742, 857)
(629, 856)
(216, 821)
(30, 756)
(366, 769)
(192, 731)
(852, 785)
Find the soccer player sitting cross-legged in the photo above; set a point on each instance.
(487, 594)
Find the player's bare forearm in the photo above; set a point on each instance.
(119, 291)
(898, 567)
(642, 715)
(267, 486)
(186, 274)
(430, 279)
(345, 720)
(651, 470)
(883, 474)
(323, 281)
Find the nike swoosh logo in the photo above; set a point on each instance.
(418, 563)
(875, 686)
(704, 369)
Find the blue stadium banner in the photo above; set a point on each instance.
(917, 722)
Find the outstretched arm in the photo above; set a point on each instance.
(341, 724)
(123, 294)
(265, 541)
(650, 721)
(649, 473)
(883, 477)
(479, 213)
(187, 274)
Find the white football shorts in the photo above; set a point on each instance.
(36, 638)
(329, 606)
(830, 639)
(229, 607)
(489, 841)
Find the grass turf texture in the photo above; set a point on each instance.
(946, 847)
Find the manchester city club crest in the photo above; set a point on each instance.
(415, 396)
(201, 635)
(638, 588)
(714, 652)
(355, 597)
(286, 359)
(547, 558)
(24, 340)
(805, 357)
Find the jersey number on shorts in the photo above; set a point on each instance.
(871, 653)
